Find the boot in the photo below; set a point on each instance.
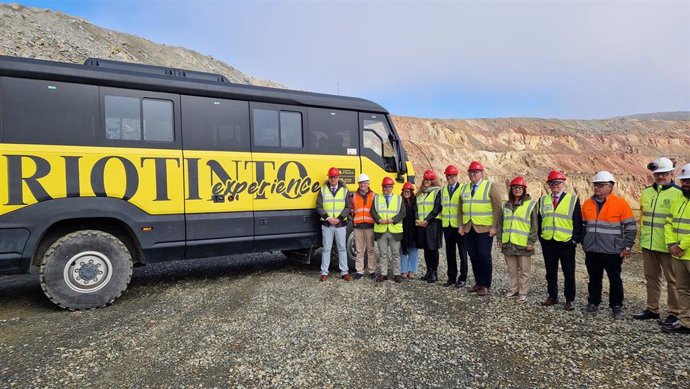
(426, 276)
(433, 277)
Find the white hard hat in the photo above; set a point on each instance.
(661, 165)
(684, 172)
(363, 177)
(603, 176)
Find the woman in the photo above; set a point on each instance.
(429, 228)
(409, 254)
(517, 233)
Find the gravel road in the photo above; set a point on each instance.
(262, 321)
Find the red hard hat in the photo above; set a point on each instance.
(387, 181)
(408, 185)
(429, 175)
(518, 181)
(555, 175)
(451, 170)
(474, 165)
(333, 172)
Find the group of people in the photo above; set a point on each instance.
(468, 217)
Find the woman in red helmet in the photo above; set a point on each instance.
(429, 228)
(516, 235)
(409, 253)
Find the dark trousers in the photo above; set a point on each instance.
(596, 264)
(453, 240)
(431, 260)
(563, 252)
(479, 249)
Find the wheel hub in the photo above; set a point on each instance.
(88, 272)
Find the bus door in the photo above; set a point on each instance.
(218, 174)
(380, 150)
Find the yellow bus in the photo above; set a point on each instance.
(109, 164)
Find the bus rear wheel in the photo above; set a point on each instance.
(85, 269)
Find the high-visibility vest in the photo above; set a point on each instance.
(449, 213)
(333, 205)
(388, 211)
(478, 207)
(362, 208)
(557, 224)
(655, 205)
(516, 225)
(425, 204)
(677, 226)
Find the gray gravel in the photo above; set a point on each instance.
(262, 321)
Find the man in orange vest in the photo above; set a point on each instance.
(609, 233)
(363, 223)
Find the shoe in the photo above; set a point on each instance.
(448, 283)
(372, 276)
(460, 284)
(358, 276)
(473, 289)
(669, 321)
(522, 299)
(397, 279)
(425, 277)
(347, 277)
(323, 278)
(404, 275)
(617, 312)
(676, 328)
(483, 291)
(549, 301)
(411, 275)
(591, 308)
(433, 277)
(569, 305)
(381, 278)
(645, 315)
(511, 295)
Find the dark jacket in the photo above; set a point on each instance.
(343, 215)
(409, 228)
(431, 237)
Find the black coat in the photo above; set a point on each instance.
(409, 228)
(431, 236)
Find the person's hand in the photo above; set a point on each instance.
(492, 232)
(676, 251)
(529, 247)
(625, 253)
(461, 231)
(423, 223)
(333, 220)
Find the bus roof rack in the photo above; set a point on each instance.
(155, 70)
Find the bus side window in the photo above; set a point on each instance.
(215, 124)
(332, 131)
(122, 118)
(279, 127)
(158, 120)
(375, 137)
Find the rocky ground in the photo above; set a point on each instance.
(262, 321)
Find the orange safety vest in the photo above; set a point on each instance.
(362, 208)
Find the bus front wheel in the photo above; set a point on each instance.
(85, 269)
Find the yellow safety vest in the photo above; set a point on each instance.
(388, 211)
(478, 207)
(557, 224)
(516, 225)
(655, 205)
(333, 205)
(449, 213)
(677, 226)
(425, 204)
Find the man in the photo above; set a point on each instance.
(388, 213)
(363, 224)
(655, 203)
(609, 233)
(450, 197)
(560, 228)
(677, 229)
(478, 213)
(333, 208)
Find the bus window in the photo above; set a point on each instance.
(158, 120)
(290, 129)
(376, 139)
(215, 124)
(332, 131)
(122, 118)
(277, 128)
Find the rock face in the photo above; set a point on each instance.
(532, 147)
(43, 34)
(507, 147)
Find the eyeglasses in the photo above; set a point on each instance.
(451, 175)
(387, 186)
(517, 188)
(555, 183)
(406, 191)
(662, 174)
(333, 178)
(600, 184)
(474, 171)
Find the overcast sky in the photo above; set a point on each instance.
(571, 59)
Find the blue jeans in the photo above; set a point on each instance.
(327, 235)
(408, 262)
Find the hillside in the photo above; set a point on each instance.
(506, 146)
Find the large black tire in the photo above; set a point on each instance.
(85, 269)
